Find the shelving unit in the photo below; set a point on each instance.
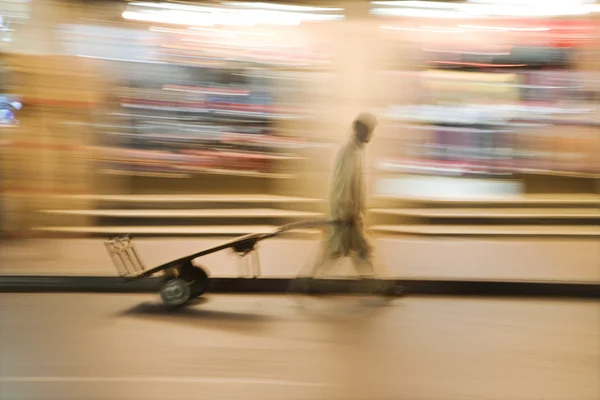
(527, 215)
(573, 231)
(171, 230)
(178, 215)
(215, 133)
(43, 155)
(496, 129)
(592, 213)
(191, 141)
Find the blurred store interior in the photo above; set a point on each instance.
(222, 118)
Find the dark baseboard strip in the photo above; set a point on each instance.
(57, 284)
(82, 284)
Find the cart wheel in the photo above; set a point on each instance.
(393, 291)
(175, 292)
(200, 281)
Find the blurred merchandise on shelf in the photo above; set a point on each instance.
(238, 105)
(499, 96)
(8, 109)
(217, 100)
(205, 99)
(13, 14)
(191, 119)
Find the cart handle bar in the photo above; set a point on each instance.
(305, 224)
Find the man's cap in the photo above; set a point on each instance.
(368, 119)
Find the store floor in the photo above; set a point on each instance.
(109, 347)
(574, 260)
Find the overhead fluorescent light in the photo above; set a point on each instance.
(426, 29)
(433, 9)
(532, 3)
(416, 4)
(416, 12)
(504, 29)
(281, 7)
(192, 16)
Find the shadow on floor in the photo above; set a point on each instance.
(194, 315)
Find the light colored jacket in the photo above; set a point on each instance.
(347, 201)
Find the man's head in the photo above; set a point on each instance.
(364, 125)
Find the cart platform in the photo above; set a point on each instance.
(185, 280)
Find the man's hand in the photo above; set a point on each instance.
(347, 220)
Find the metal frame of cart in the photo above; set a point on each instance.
(183, 280)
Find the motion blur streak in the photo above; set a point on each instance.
(186, 124)
(247, 98)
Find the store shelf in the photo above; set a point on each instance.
(52, 102)
(205, 230)
(505, 230)
(556, 200)
(223, 63)
(561, 174)
(118, 172)
(444, 169)
(559, 121)
(191, 198)
(493, 213)
(250, 174)
(465, 169)
(207, 171)
(208, 213)
(44, 70)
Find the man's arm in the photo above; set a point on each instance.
(344, 186)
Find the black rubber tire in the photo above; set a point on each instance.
(199, 281)
(175, 292)
(393, 291)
